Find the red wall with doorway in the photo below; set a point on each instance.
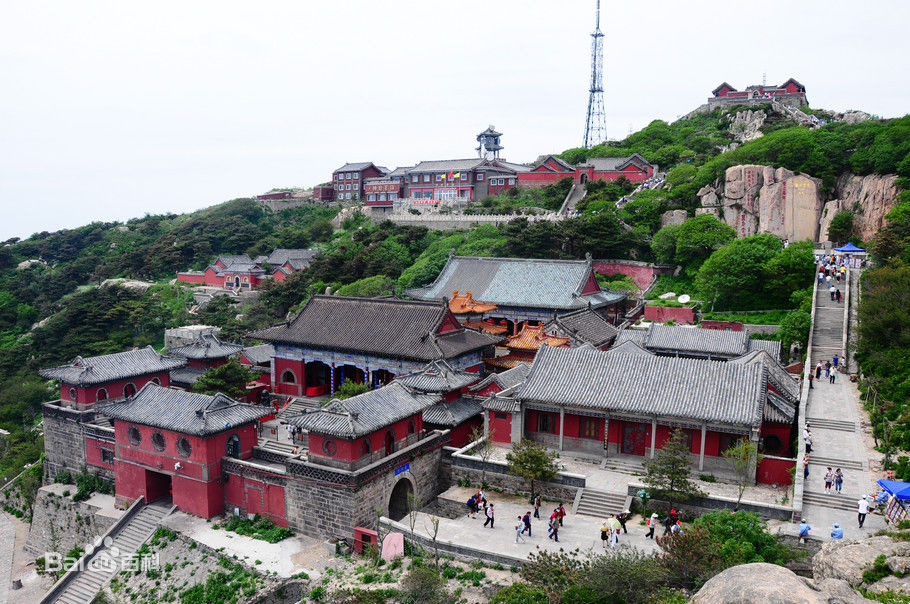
(501, 428)
(349, 450)
(782, 431)
(93, 453)
(461, 435)
(297, 368)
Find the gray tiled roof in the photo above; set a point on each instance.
(782, 381)
(207, 346)
(452, 414)
(186, 376)
(501, 402)
(241, 267)
(544, 158)
(606, 164)
(229, 259)
(184, 412)
(772, 347)
(505, 380)
(629, 346)
(697, 340)
(445, 165)
(259, 355)
(779, 410)
(686, 389)
(364, 413)
(550, 284)
(437, 376)
(629, 334)
(379, 326)
(583, 326)
(354, 166)
(279, 256)
(110, 367)
(512, 166)
(400, 171)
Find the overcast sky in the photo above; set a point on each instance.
(112, 110)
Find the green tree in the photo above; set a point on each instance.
(697, 238)
(734, 277)
(229, 379)
(795, 328)
(669, 470)
(841, 228)
(532, 462)
(378, 285)
(743, 538)
(744, 458)
(350, 388)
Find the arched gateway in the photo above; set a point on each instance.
(398, 502)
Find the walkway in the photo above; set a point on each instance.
(8, 545)
(834, 415)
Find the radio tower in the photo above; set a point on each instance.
(596, 126)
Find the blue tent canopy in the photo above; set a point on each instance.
(848, 249)
(899, 489)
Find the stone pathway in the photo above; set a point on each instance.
(834, 414)
(7, 547)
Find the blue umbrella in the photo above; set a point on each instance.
(849, 248)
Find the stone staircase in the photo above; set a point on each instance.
(623, 466)
(831, 424)
(828, 330)
(833, 462)
(86, 583)
(275, 446)
(576, 194)
(600, 503)
(844, 502)
(300, 405)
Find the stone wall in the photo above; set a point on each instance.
(64, 442)
(333, 505)
(59, 523)
(562, 488)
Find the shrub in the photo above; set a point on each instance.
(519, 593)
(423, 584)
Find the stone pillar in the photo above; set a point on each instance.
(518, 424)
(272, 372)
(301, 384)
(701, 451)
(753, 459)
(486, 423)
(332, 380)
(653, 436)
(562, 425)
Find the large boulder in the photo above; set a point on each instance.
(847, 559)
(761, 583)
(673, 217)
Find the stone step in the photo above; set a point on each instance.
(844, 502)
(600, 503)
(834, 463)
(831, 424)
(623, 466)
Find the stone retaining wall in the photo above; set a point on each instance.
(59, 523)
(700, 505)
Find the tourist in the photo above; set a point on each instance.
(827, 368)
(489, 519)
(562, 513)
(831, 291)
(519, 530)
(614, 537)
(554, 529)
(605, 529)
(652, 524)
(862, 510)
(838, 296)
(472, 507)
(837, 532)
(818, 371)
(828, 280)
(526, 520)
(811, 377)
(622, 520)
(835, 361)
(829, 480)
(832, 377)
(804, 529)
(537, 503)
(805, 466)
(668, 524)
(676, 528)
(807, 437)
(838, 480)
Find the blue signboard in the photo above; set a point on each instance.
(403, 468)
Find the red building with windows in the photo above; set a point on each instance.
(460, 180)
(240, 272)
(790, 92)
(207, 352)
(170, 443)
(550, 169)
(381, 192)
(84, 381)
(348, 180)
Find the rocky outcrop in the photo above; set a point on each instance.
(673, 217)
(761, 583)
(761, 199)
(847, 560)
(745, 126)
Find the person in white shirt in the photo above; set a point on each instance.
(862, 509)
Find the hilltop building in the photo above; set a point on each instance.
(240, 272)
(348, 180)
(790, 92)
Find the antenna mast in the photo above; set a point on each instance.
(596, 124)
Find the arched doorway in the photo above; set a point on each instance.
(398, 502)
(236, 281)
(583, 179)
(389, 442)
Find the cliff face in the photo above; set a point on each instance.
(761, 199)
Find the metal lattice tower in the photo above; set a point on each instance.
(596, 126)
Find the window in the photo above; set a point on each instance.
(347, 187)
(329, 447)
(288, 377)
(72, 394)
(439, 178)
(135, 436)
(413, 178)
(101, 395)
(588, 427)
(129, 390)
(464, 176)
(365, 448)
(546, 422)
(156, 381)
(158, 441)
(382, 197)
(347, 176)
(463, 193)
(107, 456)
(426, 178)
(232, 446)
(347, 195)
(511, 181)
(356, 176)
(500, 415)
(480, 176)
(393, 196)
(428, 194)
(412, 426)
(371, 197)
(184, 448)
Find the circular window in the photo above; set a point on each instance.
(135, 436)
(158, 441)
(329, 447)
(184, 448)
